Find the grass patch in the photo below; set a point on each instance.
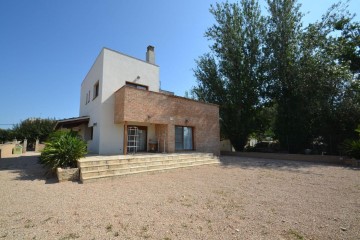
(124, 226)
(295, 234)
(109, 227)
(70, 236)
(144, 232)
(221, 193)
(29, 224)
(48, 219)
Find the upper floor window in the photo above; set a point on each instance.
(96, 90)
(87, 100)
(138, 86)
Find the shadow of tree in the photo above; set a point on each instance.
(283, 165)
(28, 168)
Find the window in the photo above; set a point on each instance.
(89, 133)
(183, 138)
(138, 86)
(96, 90)
(87, 100)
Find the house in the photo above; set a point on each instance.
(123, 110)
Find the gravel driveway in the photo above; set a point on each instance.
(241, 199)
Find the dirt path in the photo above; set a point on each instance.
(241, 199)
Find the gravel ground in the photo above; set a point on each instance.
(241, 199)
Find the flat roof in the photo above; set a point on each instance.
(72, 122)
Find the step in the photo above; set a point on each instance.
(157, 166)
(99, 167)
(126, 164)
(95, 163)
(150, 165)
(141, 170)
(139, 159)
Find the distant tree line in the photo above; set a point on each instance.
(273, 76)
(30, 129)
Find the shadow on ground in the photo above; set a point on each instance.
(27, 168)
(285, 165)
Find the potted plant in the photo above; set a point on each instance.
(61, 153)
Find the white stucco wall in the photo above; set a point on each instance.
(93, 108)
(112, 69)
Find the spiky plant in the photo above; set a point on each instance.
(63, 149)
(352, 147)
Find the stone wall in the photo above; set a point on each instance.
(6, 150)
(70, 174)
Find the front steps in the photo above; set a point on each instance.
(99, 167)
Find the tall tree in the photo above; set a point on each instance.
(231, 74)
(282, 51)
(309, 76)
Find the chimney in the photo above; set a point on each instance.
(150, 54)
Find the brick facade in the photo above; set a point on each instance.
(168, 111)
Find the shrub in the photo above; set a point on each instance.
(63, 149)
(352, 147)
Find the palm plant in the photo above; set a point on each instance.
(352, 147)
(63, 150)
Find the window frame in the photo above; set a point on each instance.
(96, 90)
(183, 138)
(137, 86)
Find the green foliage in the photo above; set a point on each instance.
(270, 74)
(6, 135)
(352, 147)
(231, 74)
(33, 129)
(63, 149)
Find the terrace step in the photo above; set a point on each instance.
(98, 167)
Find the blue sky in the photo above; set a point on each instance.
(48, 46)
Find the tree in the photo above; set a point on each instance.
(282, 51)
(231, 74)
(5, 135)
(326, 80)
(309, 75)
(33, 129)
(307, 79)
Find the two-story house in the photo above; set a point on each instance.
(123, 110)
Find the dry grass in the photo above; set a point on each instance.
(241, 199)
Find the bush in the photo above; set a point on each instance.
(352, 148)
(63, 149)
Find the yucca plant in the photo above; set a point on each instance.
(352, 147)
(63, 149)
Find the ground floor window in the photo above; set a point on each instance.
(183, 138)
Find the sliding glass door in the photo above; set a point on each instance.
(183, 138)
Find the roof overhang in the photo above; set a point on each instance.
(72, 122)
